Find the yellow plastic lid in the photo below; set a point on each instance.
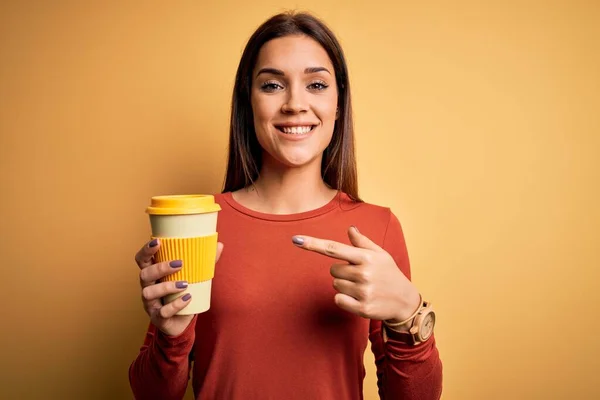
(182, 204)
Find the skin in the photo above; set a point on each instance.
(290, 176)
(369, 284)
(163, 317)
(294, 84)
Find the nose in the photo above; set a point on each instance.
(295, 101)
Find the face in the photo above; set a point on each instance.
(294, 100)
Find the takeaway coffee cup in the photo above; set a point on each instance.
(186, 226)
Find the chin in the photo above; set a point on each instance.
(296, 161)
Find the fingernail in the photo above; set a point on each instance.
(175, 264)
(153, 243)
(298, 240)
(181, 284)
(355, 228)
(186, 297)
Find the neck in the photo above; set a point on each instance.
(285, 190)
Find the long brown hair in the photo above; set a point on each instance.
(338, 168)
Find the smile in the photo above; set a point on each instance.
(296, 130)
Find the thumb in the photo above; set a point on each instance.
(359, 240)
(219, 251)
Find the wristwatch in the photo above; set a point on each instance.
(421, 325)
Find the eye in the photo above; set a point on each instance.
(270, 86)
(318, 86)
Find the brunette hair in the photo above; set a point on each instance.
(338, 168)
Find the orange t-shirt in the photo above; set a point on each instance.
(273, 330)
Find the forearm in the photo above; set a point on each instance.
(404, 371)
(413, 372)
(161, 369)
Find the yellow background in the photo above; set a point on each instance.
(477, 122)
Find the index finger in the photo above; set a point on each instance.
(143, 257)
(331, 248)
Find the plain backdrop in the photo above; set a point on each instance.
(477, 123)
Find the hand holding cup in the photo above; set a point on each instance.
(178, 264)
(164, 317)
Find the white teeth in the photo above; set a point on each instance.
(296, 130)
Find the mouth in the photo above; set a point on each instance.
(295, 130)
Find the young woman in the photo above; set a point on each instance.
(307, 272)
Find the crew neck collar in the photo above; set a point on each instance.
(330, 206)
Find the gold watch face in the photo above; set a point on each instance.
(427, 326)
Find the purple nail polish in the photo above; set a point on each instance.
(298, 240)
(175, 264)
(153, 243)
(186, 297)
(181, 284)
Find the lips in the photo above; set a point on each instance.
(295, 129)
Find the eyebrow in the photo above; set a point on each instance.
(274, 71)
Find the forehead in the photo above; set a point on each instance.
(291, 53)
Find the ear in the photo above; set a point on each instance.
(337, 113)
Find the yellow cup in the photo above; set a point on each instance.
(187, 228)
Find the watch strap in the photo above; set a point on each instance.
(403, 337)
(413, 336)
(407, 320)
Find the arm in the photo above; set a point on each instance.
(404, 371)
(375, 284)
(161, 369)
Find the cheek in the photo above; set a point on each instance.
(262, 115)
(326, 110)
(263, 110)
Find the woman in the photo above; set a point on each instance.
(284, 322)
